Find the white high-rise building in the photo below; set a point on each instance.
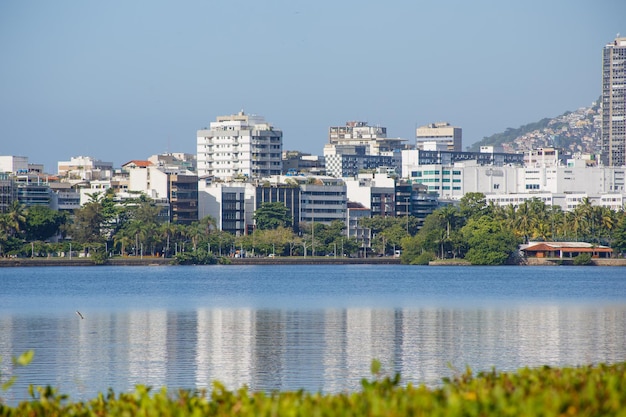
(239, 146)
(614, 103)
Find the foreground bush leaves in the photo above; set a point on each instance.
(590, 391)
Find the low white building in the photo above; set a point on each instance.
(375, 192)
(13, 164)
(507, 183)
(81, 168)
(231, 204)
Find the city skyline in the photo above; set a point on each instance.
(120, 84)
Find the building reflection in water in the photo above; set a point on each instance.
(318, 350)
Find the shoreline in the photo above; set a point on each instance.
(156, 261)
(286, 260)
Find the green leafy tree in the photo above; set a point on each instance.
(87, 224)
(412, 249)
(473, 205)
(272, 216)
(619, 234)
(42, 222)
(488, 243)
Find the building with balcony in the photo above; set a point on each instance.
(239, 146)
(355, 133)
(32, 190)
(322, 200)
(357, 147)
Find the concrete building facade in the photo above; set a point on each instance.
(178, 187)
(439, 133)
(239, 146)
(614, 103)
(85, 168)
(354, 133)
(323, 200)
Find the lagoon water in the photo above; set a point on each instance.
(315, 327)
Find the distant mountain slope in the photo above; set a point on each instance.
(577, 132)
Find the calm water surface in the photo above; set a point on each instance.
(307, 326)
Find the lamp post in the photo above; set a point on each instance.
(312, 231)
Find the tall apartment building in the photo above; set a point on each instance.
(239, 145)
(354, 135)
(440, 134)
(614, 103)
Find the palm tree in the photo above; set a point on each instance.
(122, 239)
(608, 221)
(168, 231)
(450, 215)
(208, 223)
(523, 221)
(576, 222)
(556, 218)
(584, 213)
(15, 218)
(542, 230)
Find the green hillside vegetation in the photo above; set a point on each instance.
(572, 131)
(588, 390)
(509, 135)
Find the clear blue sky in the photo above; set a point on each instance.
(122, 80)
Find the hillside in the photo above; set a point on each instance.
(577, 132)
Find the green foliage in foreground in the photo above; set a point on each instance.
(199, 257)
(590, 391)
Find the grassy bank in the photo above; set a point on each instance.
(590, 391)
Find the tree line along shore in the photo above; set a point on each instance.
(473, 232)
